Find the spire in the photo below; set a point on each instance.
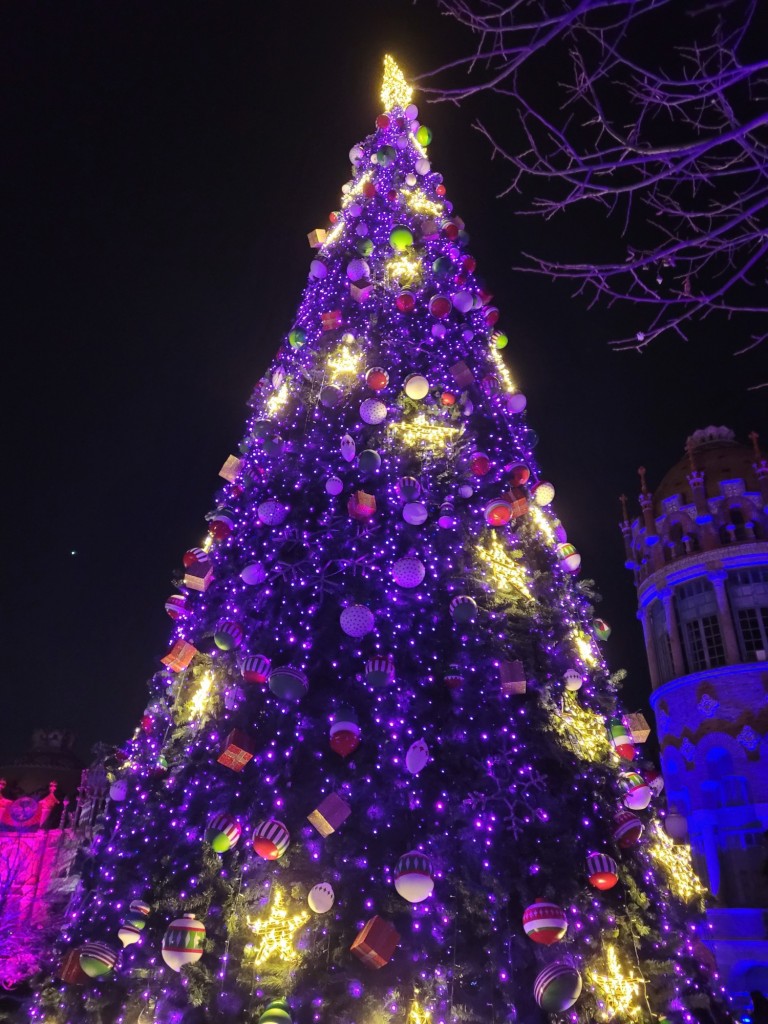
(623, 501)
(754, 437)
(395, 91)
(641, 474)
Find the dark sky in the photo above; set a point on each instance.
(163, 164)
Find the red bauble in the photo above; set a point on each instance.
(451, 230)
(369, 190)
(520, 474)
(545, 923)
(479, 463)
(147, 724)
(440, 190)
(627, 829)
(391, 195)
(469, 263)
(345, 742)
(602, 871)
(176, 606)
(382, 121)
(377, 378)
(195, 556)
(447, 398)
(405, 301)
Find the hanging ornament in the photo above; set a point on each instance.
(676, 826)
(500, 340)
(118, 791)
(345, 732)
(253, 574)
(97, 959)
(377, 378)
(447, 516)
(400, 238)
(416, 386)
(621, 740)
(440, 306)
(288, 682)
(516, 403)
(463, 301)
(223, 832)
(408, 488)
(654, 778)
(463, 609)
(408, 572)
(627, 829)
(347, 448)
(317, 270)
(572, 680)
(270, 839)
(228, 635)
(376, 942)
(333, 485)
(415, 513)
(569, 557)
(479, 463)
(498, 512)
(331, 396)
(602, 871)
(413, 877)
(369, 461)
(139, 907)
(544, 922)
(128, 934)
(356, 620)
(373, 412)
(183, 942)
(557, 987)
(637, 792)
(255, 668)
(195, 556)
(416, 757)
(272, 513)
(297, 338)
(321, 898)
(357, 270)
(405, 301)
(519, 474)
(176, 606)
(276, 1011)
(602, 629)
(543, 493)
(380, 671)
(454, 677)
(222, 523)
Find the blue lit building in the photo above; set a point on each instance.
(699, 554)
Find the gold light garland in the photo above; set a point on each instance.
(275, 932)
(506, 571)
(276, 401)
(583, 731)
(421, 204)
(344, 361)
(616, 989)
(404, 270)
(199, 700)
(503, 370)
(419, 1014)
(421, 430)
(395, 91)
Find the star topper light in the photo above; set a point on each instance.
(395, 91)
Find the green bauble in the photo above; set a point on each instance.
(423, 135)
(369, 460)
(297, 338)
(400, 238)
(365, 247)
(500, 340)
(442, 266)
(276, 1012)
(385, 155)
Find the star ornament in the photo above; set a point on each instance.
(395, 91)
(274, 934)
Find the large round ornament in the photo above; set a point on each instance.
(573, 680)
(297, 338)
(380, 671)
(357, 270)
(356, 620)
(413, 877)
(415, 513)
(345, 732)
(405, 301)
(255, 668)
(331, 396)
(272, 513)
(676, 825)
(276, 1011)
(408, 488)
(569, 557)
(621, 739)
(228, 635)
(118, 791)
(463, 301)
(401, 238)
(369, 461)
(377, 378)
(372, 411)
(270, 839)
(519, 474)
(416, 386)
(499, 339)
(626, 829)
(498, 512)
(637, 792)
(416, 756)
(440, 306)
(195, 556)
(139, 907)
(479, 463)
(222, 523)
(223, 832)
(97, 959)
(545, 923)
(334, 485)
(602, 871)
(183, 942)
(516, 403)
(253, 574)
(318, 270)
(543, 493)
(321, 898)
(423, 135)
(463, 609)
(176, 606)
(557, 987)
(288, 682)
(408, 571)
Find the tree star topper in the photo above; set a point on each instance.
(395, 91)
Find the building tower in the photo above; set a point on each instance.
(699, 554)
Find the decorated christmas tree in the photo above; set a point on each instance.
(382, 775)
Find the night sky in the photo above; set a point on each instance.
(163, 164)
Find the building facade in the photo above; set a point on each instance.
(49, 806)
(699, 554)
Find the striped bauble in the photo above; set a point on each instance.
(97, 959)
(413, 877)
(128, 933)
(270, 838)
(380, 671)
(255, 668)
(544, 922)
(223, 832)
(627, 829)
(498, 512)
(176, 606)
(195, 556)
(140, 907)
(602, 871)
(288, 682)
(463, 609)
(557, 987)
(228, 635)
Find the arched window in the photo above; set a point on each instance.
(700, 625)
(748, 594)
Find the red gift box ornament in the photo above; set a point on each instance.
(331, 321)
(376, 943)
(361, 505)
(198, 576)
(179, 656)
(237, 752)
(331, 812)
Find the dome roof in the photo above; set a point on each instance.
(715, 452)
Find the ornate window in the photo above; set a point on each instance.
(702, 639)
(748, 593)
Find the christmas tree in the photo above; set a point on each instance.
(383, 775)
